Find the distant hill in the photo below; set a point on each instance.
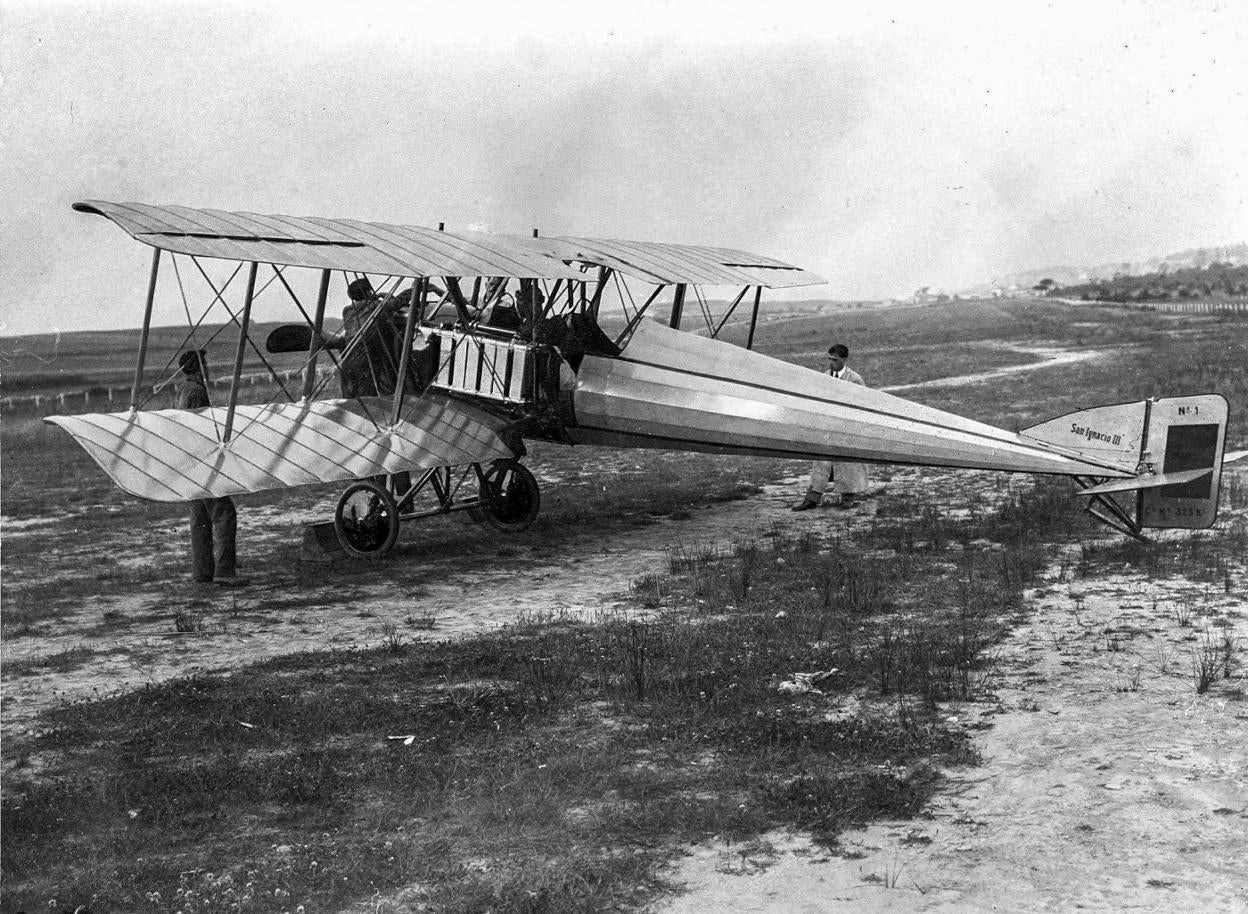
(1196, 258)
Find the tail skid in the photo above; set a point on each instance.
(1178, 445)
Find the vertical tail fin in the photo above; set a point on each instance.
(1184, 433)
(1176, 445)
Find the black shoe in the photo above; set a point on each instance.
(847, 502)
(231, 581)
(804, 505)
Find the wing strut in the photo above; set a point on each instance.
(240, 352)
(405, 358)
(758, 294)
(731, 310)
(147, 328)
(678, 306)
(603, 273)
(636, 318)
(318, 342)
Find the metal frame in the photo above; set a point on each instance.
(1108, 511)
(445, 487)
(559, 266)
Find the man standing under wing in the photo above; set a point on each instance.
(849, 480)
(214, 521)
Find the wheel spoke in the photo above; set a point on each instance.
(367, 519)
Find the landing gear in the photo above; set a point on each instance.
(510, 498)
(366, 520)
(368, 515)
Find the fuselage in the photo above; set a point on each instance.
(675, 390)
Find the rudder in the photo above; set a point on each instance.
(1183, 433)
(1161, 447)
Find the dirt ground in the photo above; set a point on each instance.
(353, 608)
(243, 626)
(1107, 782)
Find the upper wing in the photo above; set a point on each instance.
(332, 244)
(662, 263)
(408, 250)
(177, 455)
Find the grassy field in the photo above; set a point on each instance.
(557, 763)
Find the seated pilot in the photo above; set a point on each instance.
(370, 364)
(504, 316)
(529, 301)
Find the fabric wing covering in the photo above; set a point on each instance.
(664, 264)
(333, 244)
(406, 250)
(176, 455)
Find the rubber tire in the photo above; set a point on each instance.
(375, 534)
(511, 497)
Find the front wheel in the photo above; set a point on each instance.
(366, 520)
(509, 497)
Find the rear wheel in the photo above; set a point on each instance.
(366, 520)
(510, 497)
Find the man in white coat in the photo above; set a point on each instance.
(849, 480)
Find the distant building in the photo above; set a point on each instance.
(925, 296)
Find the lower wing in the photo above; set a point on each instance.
(177, 455)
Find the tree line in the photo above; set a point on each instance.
(1216, 281)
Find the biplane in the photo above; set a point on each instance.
(473, 343)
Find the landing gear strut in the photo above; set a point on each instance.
(368, 514)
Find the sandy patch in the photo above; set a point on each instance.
(1047, 357)
(13, 526)
(1107, 782)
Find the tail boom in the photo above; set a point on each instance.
(682, 392)
(678, 391)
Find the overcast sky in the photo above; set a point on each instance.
(909, 144)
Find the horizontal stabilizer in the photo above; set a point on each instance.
(177, 455)
(1146, 482)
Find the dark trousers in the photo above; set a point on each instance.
(214, 524)
(397, 485)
